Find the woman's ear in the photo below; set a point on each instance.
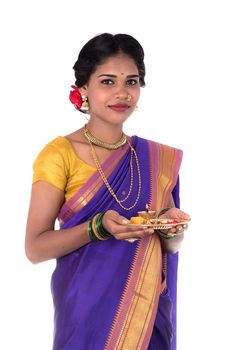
(83, 90)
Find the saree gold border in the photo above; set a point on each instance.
(165, 174)
(136, 323)
(81, 201)
(122, 301)
(153, 170)
(167, 157)
(151, 316)
(161, 176)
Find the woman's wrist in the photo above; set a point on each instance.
(96, 230)
(172, 245)
(166, 235)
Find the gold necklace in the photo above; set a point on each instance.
(112, 146)
(103, 176)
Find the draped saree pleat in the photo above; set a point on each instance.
(107, 294)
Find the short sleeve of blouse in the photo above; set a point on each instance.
(50, 166)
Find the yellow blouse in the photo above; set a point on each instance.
(59, 165)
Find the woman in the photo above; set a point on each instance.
(114, 284)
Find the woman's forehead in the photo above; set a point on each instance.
(121, 64)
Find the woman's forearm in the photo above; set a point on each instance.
(56, 243)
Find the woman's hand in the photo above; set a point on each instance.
(177, 214)
(118, 226)
(173, 245)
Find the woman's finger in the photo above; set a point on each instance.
(175, 213)
(135, 234)
(114, 216)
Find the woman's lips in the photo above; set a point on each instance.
(119, 107)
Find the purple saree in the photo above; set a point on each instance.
(112, 294)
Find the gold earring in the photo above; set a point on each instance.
(85, 104)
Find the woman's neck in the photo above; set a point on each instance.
(105, 131)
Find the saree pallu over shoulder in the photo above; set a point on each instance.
(106, 294)
(165, 164)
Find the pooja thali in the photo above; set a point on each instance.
(148, 219)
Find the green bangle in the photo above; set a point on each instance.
(101, 230)
(163, 211)
(92, 236)
(165, 235)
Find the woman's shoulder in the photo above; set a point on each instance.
(57, 151)
(59, 145)
(51, 164)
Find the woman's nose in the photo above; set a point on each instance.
(123, 94)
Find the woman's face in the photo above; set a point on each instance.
(113, 89)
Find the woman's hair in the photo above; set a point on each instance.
(103, 46)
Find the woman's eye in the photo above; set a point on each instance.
(107, 82)
(132, 82)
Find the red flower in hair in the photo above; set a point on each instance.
(75, 97)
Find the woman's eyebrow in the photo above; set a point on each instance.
(133, 76)
(107, 75)
(115, 76)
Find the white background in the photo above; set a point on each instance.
(187, 103)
